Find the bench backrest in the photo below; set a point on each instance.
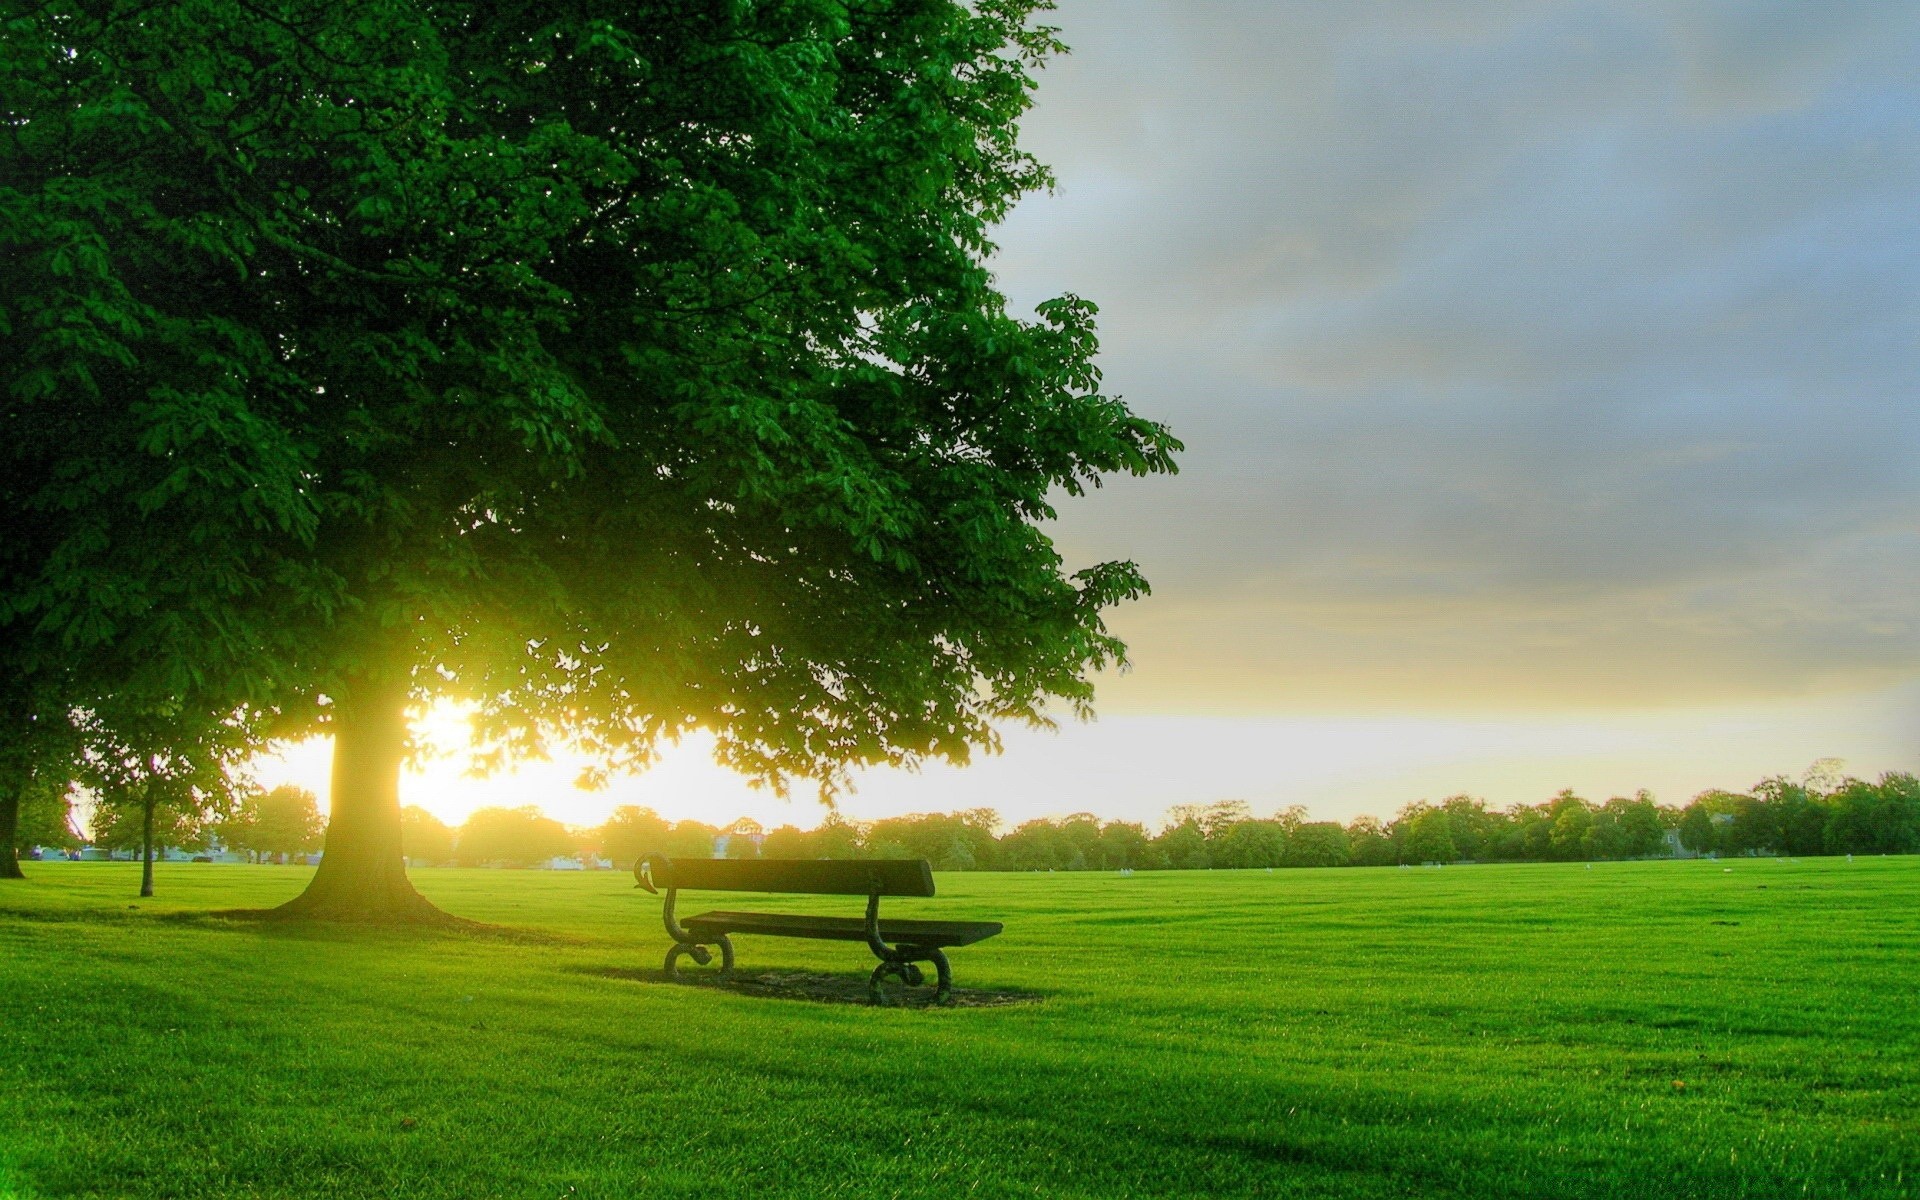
(821, 876)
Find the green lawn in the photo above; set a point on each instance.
(1633, 1029)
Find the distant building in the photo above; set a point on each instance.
(745, 827)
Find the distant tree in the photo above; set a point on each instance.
(1470, 824)
(788, 841)
(951, 841)
(424, 838)
(1869, 818)
(1125, 844)
(1824, 775)
(630, 832)
(45, 813)
(1900, 796)
(171, 765)
(1081, 832)
(1212, 819)
(128, 823)
(1697, 832)
(1798, 815)
(1572, 823)
(1249, 844)
(740, 846)
(1636, 827)
(1184, 846)
(1429, 837)
(519, 837)
(1535, 825)
(1039, 846)
(690, 839)
(838, 838)
(1369, 843)
(1752, 827)
(285, 820)
(1317, 844)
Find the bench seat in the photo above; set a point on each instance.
(900, 945)
(844, 929)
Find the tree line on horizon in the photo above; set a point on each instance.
(1824, 813)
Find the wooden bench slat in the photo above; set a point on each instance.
(845, 929)
(813, 876)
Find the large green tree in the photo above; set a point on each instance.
(627, 368)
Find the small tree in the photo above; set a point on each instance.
(690, 839)
(1317, 844)
(517, 837)
(631, 832)
(168, 764)
(1697, 832)
(1572, 822)
(285, 820)
(788, 841)
(1247, 844)
(838, 837)
(1429, 837)
(1184, 846)
(1371, 843)
(424, 838)
(1125, 844)
(46, 814)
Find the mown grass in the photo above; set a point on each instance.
(1673, 1029)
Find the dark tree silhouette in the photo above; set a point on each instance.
(626, 369)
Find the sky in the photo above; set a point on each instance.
(1547, 373)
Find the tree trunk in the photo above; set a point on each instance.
(361, 875)
(146, 842)
(9, 830)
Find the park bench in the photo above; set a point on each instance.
(900, 945)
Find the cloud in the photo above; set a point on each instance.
(1527, 352)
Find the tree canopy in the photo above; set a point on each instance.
(627, 369)
(284, 820)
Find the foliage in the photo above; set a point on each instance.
(46, 815)
(424, 838)
(631, 832)
(624, 368)
(1775, 818)
(285, 820)
(1317, 844)
(518, 837)
(1248, 843)
(168, 767)
(120, 827)
(1429, 836)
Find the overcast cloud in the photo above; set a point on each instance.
(1527, 353)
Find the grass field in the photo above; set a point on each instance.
(1670, 1029)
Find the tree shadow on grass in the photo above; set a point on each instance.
(816, 986)
(443, 927)
(270, 923)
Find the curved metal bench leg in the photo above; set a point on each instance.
(875, 992)
(699, 953)
(910, 975)
(943, 992)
